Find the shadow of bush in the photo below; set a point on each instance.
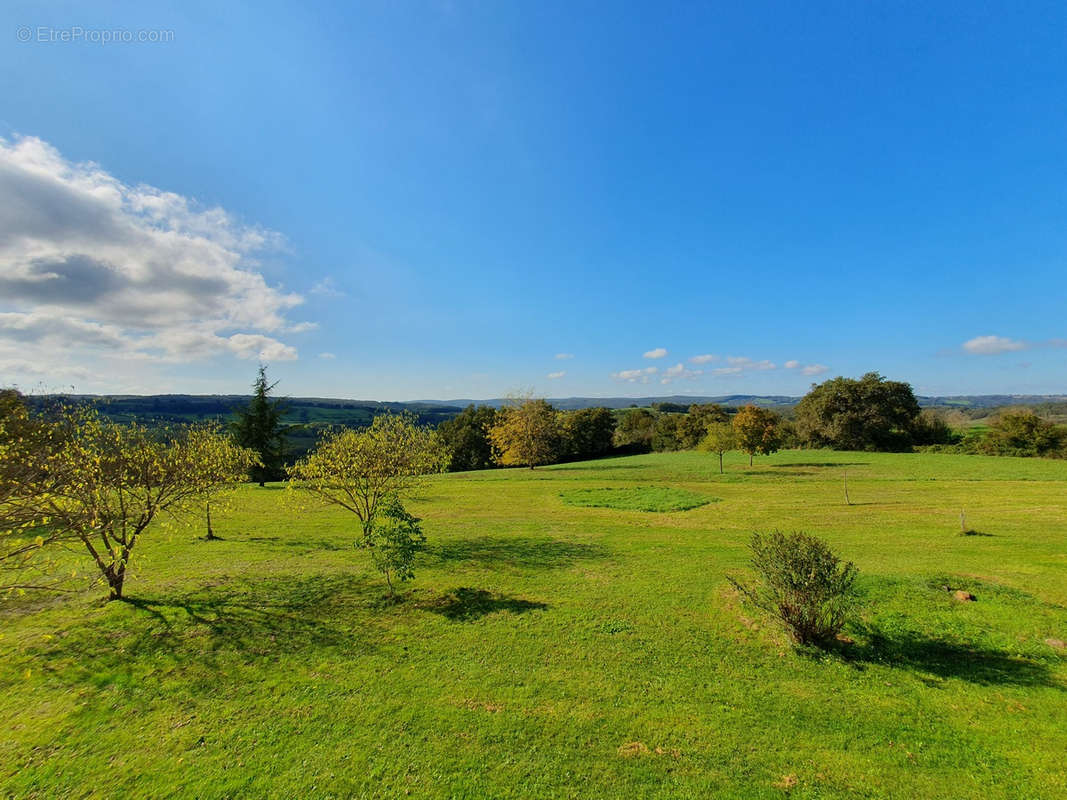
(464, 605)
(970, 662)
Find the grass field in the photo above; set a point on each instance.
(553, 650)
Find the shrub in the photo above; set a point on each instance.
(802, 583)
(394, 538)
(1023, 433)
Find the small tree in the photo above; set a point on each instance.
(695, 423)
(526, 433)
(394, 540)
(720, 439)
(757, 431)
(217, 479)
(258, 426)
(802, 583)
(78, 478)
(370, 472)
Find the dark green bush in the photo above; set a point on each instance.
(802, 583)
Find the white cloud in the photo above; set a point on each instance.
(246, 345)
(659, 352)
(747, 364)
(635, 375)
(992, 345)
(555, 375)
(90, 267)
(303, 327)
(327, 356)
(806, 369)
(707, 358)
(327, 287)
(679, 371)
(564, 356)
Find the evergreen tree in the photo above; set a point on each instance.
(259, 427)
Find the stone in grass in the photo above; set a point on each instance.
(964, 597)
(1059, 644)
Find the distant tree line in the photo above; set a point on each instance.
(870, 413)
(529, 432)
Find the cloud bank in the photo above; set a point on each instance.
(91, 267)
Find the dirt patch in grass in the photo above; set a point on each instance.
(639, 749)
(640, 498)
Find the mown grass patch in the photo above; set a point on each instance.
(638, 498)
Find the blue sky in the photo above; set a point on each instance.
(401, 200)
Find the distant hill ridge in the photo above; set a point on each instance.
(224, 403)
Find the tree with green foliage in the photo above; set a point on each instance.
(258, 426)
(757, 431)
(586, 433)
(719, 439)
(667, 433)
(526, 433)
(465, 438)
(802, 583)
(871, 413)
(932, 428)
(695, 423)
(394, 540)
(74, 478)
(635, 430)
(1023, 433)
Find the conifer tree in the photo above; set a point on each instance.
(259, 427)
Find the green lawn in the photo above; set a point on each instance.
(552, 650)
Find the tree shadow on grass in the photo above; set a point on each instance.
(302, 544)
(197, 637)
(597, 465)
(465, 605)
(534, 553)
(946, 659)
(749, 472)
(258, 618)
(819, 464)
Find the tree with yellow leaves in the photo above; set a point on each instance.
(757, 430)
(69, 477)
(370, 472)
(526, 433)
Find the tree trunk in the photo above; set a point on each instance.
(262, 483)
(210, 533)
(720, 463)
(750, 459)
(115, 579)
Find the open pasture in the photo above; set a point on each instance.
(546, 649)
